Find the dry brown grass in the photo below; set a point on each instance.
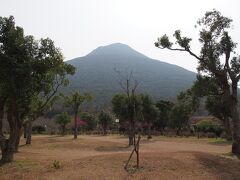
(103, 157)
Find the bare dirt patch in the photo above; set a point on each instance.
(103, 157)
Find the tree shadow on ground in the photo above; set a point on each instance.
(221, 143)
(112, 148)
(221, 167)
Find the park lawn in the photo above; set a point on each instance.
(104, 157)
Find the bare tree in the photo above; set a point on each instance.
(129, 85)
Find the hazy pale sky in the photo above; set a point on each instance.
(79, 26)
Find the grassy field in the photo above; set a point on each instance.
(103, 157)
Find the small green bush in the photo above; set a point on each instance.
(56, 164)
(209, 126)
(38, 129)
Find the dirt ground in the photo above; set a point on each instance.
(104, 157)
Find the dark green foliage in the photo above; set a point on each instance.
(209, 126)
(75, 100)
(120, 108)
(123, 109)
(31, 73)
(215, 102)
(38, 129)
(164, 115)
(179, 116)
(31, 70)
(217, 61)
(183, 109)
(90, 120)
(105, 120)
(149, 111)
(63, 119)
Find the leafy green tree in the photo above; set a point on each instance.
(105, 120)
(150, 113)
(63, 119)
(126, 109)
(25, 65)
(90, 120)
(120, 108)
(216, 44)
(217, 107)
(215, 103)
(43, 101)
(75, 100)
(209, 126)
(178, 117)
(164, 115)
(180, 113)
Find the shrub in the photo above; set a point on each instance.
(56, 164)
(209, 126)
(38, 129)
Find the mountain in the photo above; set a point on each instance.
(96, 72)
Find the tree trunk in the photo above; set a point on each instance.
(25, 131)
(18, 137)
(1, 117)
(236, 131)
(8, 145)
(75, 126)
(178, 131)
(63, 130)
(130, 140)
(8, 150)
(228, 128)
(130, 135)
(29, 132)
(235, 119)
(104, 131)
(2, 138)
(149, 131)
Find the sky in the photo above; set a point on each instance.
(80, 26)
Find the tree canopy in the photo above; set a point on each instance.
(30, 69)
(63, 119)
(75, 100)
(217, 59)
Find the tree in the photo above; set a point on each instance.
(128, 107)
(25, 65)
(215, 102)
(75, 100)
(164, 114)
(125, 110)
(129, 85)
(178, 117)
(217, 45)
(63, 119)
(150, 113)
(216, 106)
(209, 126)
(90, 120)
(186, 105)
(105, 120)
(43, 101)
